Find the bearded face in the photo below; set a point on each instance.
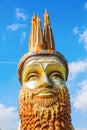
(44, 98)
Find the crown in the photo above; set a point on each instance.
(41, 43)
(41, 40)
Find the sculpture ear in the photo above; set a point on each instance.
(19, 126)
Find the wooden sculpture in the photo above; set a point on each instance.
(44, 101)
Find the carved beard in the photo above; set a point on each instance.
(38, 113)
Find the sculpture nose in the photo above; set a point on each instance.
(45, 81)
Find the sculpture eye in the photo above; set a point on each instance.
(32, 76)
(56, 76)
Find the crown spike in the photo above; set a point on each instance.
(33, 33)
(39, 35)
(46, 18)
(47, 33)
(36, 36)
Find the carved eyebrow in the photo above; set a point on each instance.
(33, 68)
(51, 67)
(57, 68)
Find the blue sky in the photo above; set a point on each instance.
(69, 24)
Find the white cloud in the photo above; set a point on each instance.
(8, 118)
(76, 68)
(75, 30)
(20, 14)
(85, 6)
(83, 38)
(80, 100)
(15, 27)
(23, 36)
(81, 129)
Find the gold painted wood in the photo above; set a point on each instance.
(44, 100)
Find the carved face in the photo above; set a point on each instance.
(43, 77)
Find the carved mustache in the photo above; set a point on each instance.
(49, 90)
(40, 88)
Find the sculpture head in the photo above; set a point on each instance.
(43, 77)
(44, 101)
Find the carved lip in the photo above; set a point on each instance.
(46, 93)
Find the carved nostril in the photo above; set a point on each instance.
(46, 84)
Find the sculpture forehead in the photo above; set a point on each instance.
(46, 64)
(43, 61)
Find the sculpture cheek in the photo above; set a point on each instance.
(31, 84)
(57, 83)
